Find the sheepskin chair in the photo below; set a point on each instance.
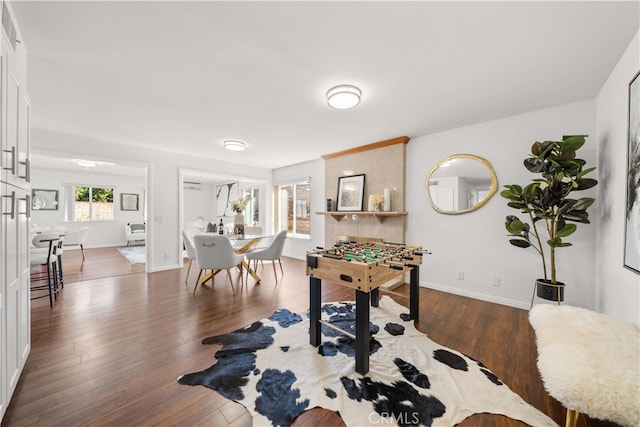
(589, 362)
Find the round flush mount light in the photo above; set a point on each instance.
(234, 145)
(86, 164)
(343, 97)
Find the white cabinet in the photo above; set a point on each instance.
(15, 196)
(17, 315)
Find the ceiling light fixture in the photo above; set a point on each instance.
(234, 145)
(343, 97)
(88, 164)
(85, 164)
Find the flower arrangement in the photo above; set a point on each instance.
(239, 205)
(377, 199)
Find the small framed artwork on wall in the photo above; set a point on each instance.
(44, 200)
(128, 202)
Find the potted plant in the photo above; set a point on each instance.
(548, 203)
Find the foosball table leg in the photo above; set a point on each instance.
(414, 293)
(362, 332)
(375, 297)
(315, 311)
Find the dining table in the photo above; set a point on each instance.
(242, 244)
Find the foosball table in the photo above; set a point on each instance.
(365, 267)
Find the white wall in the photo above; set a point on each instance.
(163, 185)
(297, 247)
(617, 288)
(476, 243)
(101, 233)
(198, 203)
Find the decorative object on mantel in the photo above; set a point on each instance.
(375, 202)
(547, 200)
(350, 193)
(387, 200)
(271, 369)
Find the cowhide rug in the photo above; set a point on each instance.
(271, 369)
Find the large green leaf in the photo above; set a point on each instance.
(583, 203)
(566, 230)
(520, 243)
(586, 183)
(533, 164)
(514, 227)
(572, 142)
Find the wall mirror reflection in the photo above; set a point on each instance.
(461, 183)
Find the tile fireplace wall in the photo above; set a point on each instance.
(384, 166)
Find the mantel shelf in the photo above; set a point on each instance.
(338, 215)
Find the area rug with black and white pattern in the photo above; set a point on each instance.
(271, 369)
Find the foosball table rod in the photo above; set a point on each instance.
(335, 328)
(389, 291)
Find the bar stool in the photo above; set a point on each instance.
(43, 255)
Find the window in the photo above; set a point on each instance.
(292, 208)
(89, 203)
(252, 211)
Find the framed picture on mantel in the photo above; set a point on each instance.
(350, 193)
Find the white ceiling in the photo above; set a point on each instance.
(183, 76)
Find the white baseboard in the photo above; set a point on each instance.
(164, 268)
(476, 295)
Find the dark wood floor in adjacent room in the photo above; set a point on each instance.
(110, 350)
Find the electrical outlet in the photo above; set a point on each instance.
(496, 282)
(167, 255)
(461, 275)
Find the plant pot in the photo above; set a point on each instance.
(546, 289)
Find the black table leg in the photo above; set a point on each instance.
(362, 332)
(315, 311)
(414, 293)
(375, 297)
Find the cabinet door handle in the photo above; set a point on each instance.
(11, 213)
(27, 209)
(27, 170)
(12, 168)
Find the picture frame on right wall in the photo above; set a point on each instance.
(632, 208)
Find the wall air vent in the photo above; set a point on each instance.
(8, 26)
(190, 185)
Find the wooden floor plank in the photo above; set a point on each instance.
(110, 350)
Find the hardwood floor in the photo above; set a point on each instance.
(110, 350)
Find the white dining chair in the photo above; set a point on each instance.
(76, 238)
(271, 253)
(189, 246)
(214, 252)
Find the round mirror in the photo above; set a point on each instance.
(461, 183)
